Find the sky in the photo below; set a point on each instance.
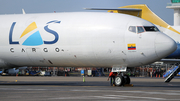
(48, 6)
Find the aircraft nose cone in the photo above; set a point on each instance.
(164, 45)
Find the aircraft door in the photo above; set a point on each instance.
(120, 52)
(131, 42)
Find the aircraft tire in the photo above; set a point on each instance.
(127, 79)
(119, 80)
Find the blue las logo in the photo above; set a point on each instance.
(35, 39)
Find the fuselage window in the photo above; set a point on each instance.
(140, 29)
(132, 29)
(151, 28)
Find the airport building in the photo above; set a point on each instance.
(175, 4)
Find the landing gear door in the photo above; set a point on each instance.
(119, 69)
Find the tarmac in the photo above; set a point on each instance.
(35, 88)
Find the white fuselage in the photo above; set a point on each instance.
(78, 39)
(175, 36)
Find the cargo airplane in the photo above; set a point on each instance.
(81, 39)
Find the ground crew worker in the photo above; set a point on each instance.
(112, 76)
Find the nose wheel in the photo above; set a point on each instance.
(122, 80)
(119, 80)
(127, 79)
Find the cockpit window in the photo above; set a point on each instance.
(151, 28)
(132, 29)
(140, 29)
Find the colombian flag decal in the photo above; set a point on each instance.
(132, 46)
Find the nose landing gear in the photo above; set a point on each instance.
(120, 79)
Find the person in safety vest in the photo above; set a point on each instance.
(112, 76)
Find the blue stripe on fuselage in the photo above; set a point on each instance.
(175, 54)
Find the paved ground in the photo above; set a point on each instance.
(94, 88)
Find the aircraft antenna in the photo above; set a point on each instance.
(23, 11)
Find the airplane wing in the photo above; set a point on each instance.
(119, 9)
(169, 60)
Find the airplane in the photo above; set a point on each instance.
(81, 39)
(143, 11)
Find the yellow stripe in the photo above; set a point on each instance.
(146, 14)
(131, 45)
(31, 27)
